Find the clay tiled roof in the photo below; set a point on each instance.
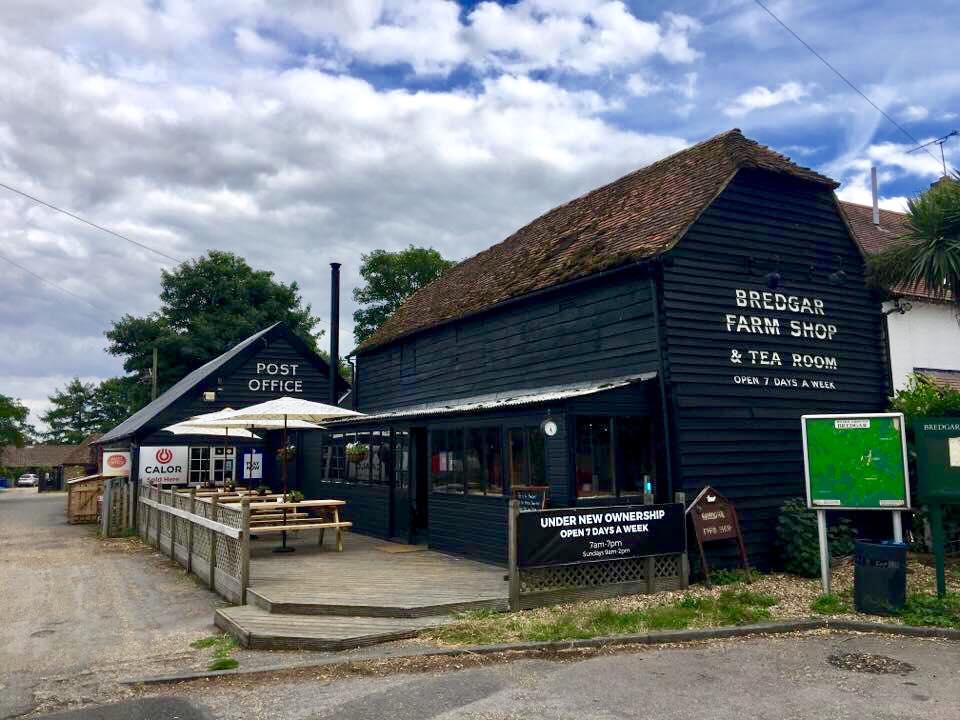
(875, 239)
(50, 455)
(634, 218)
(947, 378)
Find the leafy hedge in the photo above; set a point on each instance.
(799, 544)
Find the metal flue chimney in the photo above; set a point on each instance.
(876, 195)
(334, 330)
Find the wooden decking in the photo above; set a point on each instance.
(320, 599)
(364, 580)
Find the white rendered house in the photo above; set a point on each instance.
(923, 333)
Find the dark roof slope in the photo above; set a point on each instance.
(634, 218)
(874, 239)
(146, 413)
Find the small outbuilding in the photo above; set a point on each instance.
(272, 363)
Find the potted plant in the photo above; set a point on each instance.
(357, 452)
(230, 486)
(288, 453)
(294, 496)
(263, 490)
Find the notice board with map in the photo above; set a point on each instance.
(856, 462)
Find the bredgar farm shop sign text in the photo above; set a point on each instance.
(806, 321)
(576, 535)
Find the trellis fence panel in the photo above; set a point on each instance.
(210, 539)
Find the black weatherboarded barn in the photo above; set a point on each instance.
(673, 325)
(271, 363)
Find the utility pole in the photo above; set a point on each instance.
(153, 376)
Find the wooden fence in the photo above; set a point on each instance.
(209, 538)
(532, 587)
(117, 508)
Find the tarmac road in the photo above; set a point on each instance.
(76, 612)
(780, 678)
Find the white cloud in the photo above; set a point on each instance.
(640, 85)
(914, 113)
(761, 98)
(253, 43)
(291, 168)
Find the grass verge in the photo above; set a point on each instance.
(730, 607)
(222, 645)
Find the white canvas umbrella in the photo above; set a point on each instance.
(287, 410)
(208, 424)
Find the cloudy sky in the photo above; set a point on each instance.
(298, 132)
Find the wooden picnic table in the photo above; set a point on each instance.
(302, 523)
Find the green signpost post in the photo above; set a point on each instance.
(938, 477)
(854, 462)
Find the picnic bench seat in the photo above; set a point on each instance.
(307, 524)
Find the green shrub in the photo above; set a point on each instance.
(829, 605)
(223, 663)
(931, 610)
(724, 576)
(798, 539)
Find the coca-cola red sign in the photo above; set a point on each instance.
(117, 461)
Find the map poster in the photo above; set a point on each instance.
(856, 462)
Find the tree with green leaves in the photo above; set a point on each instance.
(207, 305)
(114, 400)
(392, 277)
(72, 416)
(929, 253)
(14, 428)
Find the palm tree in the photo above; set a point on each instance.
(929, 254)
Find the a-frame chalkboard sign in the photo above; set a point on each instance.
(715, 518)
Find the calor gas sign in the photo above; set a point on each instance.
(164, 463)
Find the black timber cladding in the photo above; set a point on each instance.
(594, 330)
(235, 378)
(743, 437)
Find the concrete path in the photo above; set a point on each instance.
(782, 678)
(77, 612)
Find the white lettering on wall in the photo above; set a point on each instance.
(737, 323)
(281, 378)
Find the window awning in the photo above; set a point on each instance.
(493, 401)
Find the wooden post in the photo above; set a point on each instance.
(146, 510)
(513, 569)
(684, 558)
(105, 509)
(244, 548)
(213, 542)
(173, 526)
(193, 510)
(159, 517)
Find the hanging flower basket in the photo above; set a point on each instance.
(290, 452)
(357, 452)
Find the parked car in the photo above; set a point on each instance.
(28, 480)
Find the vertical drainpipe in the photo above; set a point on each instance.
(662, 378)
(334, 330)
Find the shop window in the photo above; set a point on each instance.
(362, 457)
(527, 457)
(482, 461)
(199, 465)
(401, 459)
(446, 461)
(211, 464)
(614, 456)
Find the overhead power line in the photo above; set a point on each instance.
(840, 75)
(88, 222)
(52, 284)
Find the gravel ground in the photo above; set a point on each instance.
(78, 613)
(794, 597)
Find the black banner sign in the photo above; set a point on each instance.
(578, 535)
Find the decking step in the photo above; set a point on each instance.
(258, 629)
(401, 605)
